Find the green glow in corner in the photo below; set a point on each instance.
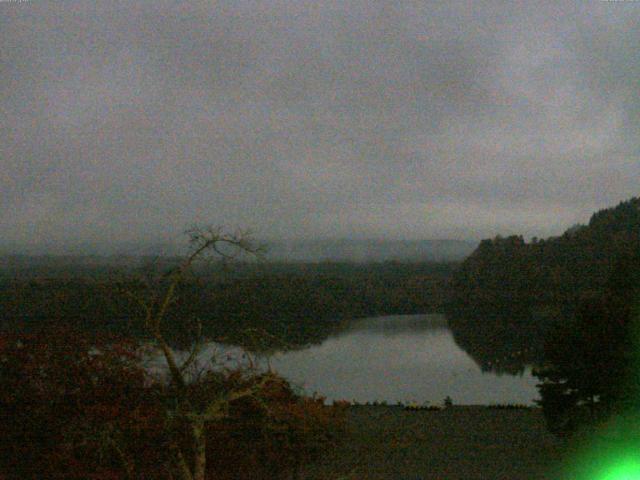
(623, 469)
(612, 450)
(610, 453)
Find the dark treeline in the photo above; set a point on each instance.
(509, 295)
(295, 304)
(590, 369)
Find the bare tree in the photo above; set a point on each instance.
(155, 303)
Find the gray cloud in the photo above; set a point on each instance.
(132, 120)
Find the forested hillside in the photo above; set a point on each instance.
(508, 294)
(295, 302)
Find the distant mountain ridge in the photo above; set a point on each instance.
(369, 250)
(321, 250)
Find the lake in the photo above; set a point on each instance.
(408, 358)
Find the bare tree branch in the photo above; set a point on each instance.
(203, 241)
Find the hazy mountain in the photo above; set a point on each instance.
(369, 250)
(344, 250)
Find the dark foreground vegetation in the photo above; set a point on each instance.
(75, 407)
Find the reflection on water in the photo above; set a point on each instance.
(407, 358)
(397, 325)
(399, 358)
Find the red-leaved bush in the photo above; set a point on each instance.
(75, 408)
(275, 433)
(80, 407)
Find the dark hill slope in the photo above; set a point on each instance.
(508, 293)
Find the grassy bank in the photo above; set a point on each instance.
(462, 442)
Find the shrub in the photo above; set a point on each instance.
(81, 407)
(75, 408)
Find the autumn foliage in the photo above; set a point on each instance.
(75, 409)
(76, 406)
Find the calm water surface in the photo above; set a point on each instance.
(407, 358)
(399, 358)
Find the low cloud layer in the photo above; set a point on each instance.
(130, 121)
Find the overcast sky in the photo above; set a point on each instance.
(124, 121)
